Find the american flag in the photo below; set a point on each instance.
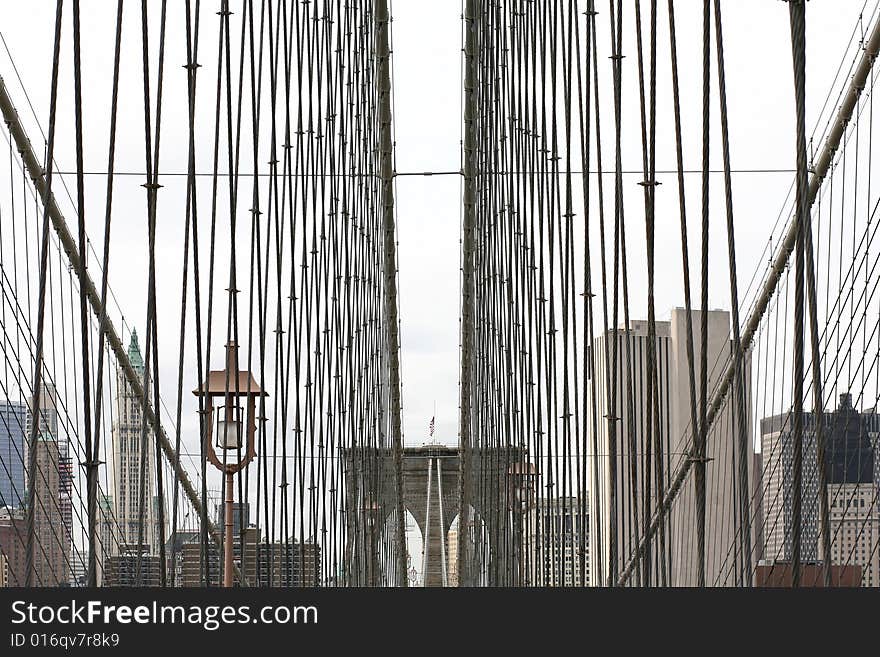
(431, 427)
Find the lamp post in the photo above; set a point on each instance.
(522, 479)
(233, 387)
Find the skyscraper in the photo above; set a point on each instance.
(132, 495)
(855, 521)
(777, 495)
(13, 423)
(851, 474)
(51, 539)
(51, 483)
(618, 512)
(854, 509)
(452, 545)
(49, 426)
(555, 540)
(65, 493)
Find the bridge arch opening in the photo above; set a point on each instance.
(415, 544)
(477, 536)
(414, 548)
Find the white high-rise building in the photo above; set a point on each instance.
(855, 528)
(128, 489)
(777, 494)
(674, 556)
(452, 550)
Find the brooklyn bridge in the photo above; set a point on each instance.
(663, 369)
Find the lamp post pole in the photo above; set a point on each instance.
(227, 547)
(231, 371)
(235, 432)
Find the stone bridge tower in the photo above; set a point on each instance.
(431, 484)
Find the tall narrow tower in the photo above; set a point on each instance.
(51, 485)
(132, 454)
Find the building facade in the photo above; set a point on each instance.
(289, 564)
(107, 535)
(452, 543)
(619, 419)
(51, 537)
(13, 424)
(133, 495)
(852, 479)
(128, 570)
(557, 543)
(855, 522)
(65, 493)
(190, 555)
(778, 492)
(13, 541)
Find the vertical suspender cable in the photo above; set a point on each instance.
(700, 456)
(91, 467)
(736, 346)
(685, 259)
(93, 459)
(798, 40)
(818, 413)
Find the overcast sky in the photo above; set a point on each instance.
(427, 123)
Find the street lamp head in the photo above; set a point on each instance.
(219, 384)
(235, 416)
(522, 480)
